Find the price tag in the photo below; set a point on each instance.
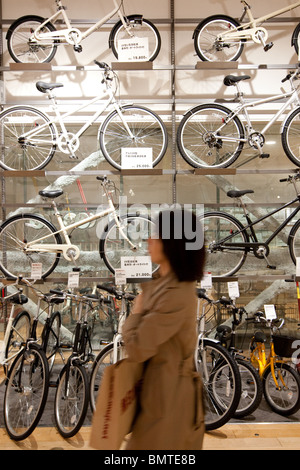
(120, 277)
(137, 266)
(136, 158)
(36, 270)
(73, 280)
(206, 282)
(270, 312)
(133, 50)
(233, 289)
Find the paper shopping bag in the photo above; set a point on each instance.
(116, 406)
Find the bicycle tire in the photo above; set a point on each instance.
(104, 359)
(21, 153)
(13, 260)
(252, 389)
(290, 137)
(283, 402)
(71, 399)
(221, 382)
(140, 26)
(19, 333)
(50, 338)
(199, 137)
(26, 392)
(220, 227)
(208, 49)
(113, 136)
(137, 228)
(16, 44)
(296, 39)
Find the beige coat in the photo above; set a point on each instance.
(164, 335)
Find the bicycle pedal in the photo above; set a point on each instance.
(268, 46)
(52, 384)
(73, 157)
(78, 48)
(271, 267)
(265, 155)
(65, 346)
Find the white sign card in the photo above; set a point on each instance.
(120, 277)
(270, 312)
(36, 270)
(136, 158)
(233, 289)
(133, 50)
(137, 266)
(297, 267)
(206, 281)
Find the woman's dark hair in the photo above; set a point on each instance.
(183, 243)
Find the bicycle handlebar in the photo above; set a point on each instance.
(115, 293)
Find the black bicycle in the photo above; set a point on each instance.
(228, 241)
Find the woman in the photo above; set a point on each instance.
(161, 332)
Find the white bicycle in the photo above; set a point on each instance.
(33, 39)
(220, 38)
(29, 138)
(28, 238)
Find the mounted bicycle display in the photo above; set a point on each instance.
(33, 39)
(220, 38)
(213, 136)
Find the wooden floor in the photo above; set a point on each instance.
(229, 437)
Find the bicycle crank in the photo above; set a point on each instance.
(68, 143)
(262, 252)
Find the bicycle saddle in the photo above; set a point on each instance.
(44, 87)
(230, 80)
(260, 337)
(18, 299)
(234, 193)
(51, 194)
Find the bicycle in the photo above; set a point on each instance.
(29, 238)
(29, 137)
(115, 350)
(219, 371)
(72, 394)
(281, 383)
(228, 241)
(213, 136)
(220, 38)
(252, 390)
(33, 39)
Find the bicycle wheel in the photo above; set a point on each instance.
(50, 337)
(252, 389)
(284, 400)
(208, 138)
(221, 383)
(26, 393)
(290, 137)
(105, 358)
(71, 399)
(113, 246)
(296, 39)
(140, 28)
(19, 152)
(20, 46)
(221, 229)
(15, 234)
(294, 242)
(207, 44)
(18, 335)
(147, 129)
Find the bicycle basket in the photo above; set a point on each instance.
(283, 345)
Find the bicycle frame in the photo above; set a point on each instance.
(9, 328)
(251, 30)
(243, 107)
(67, 145)
(71, 35)
(258, 358)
